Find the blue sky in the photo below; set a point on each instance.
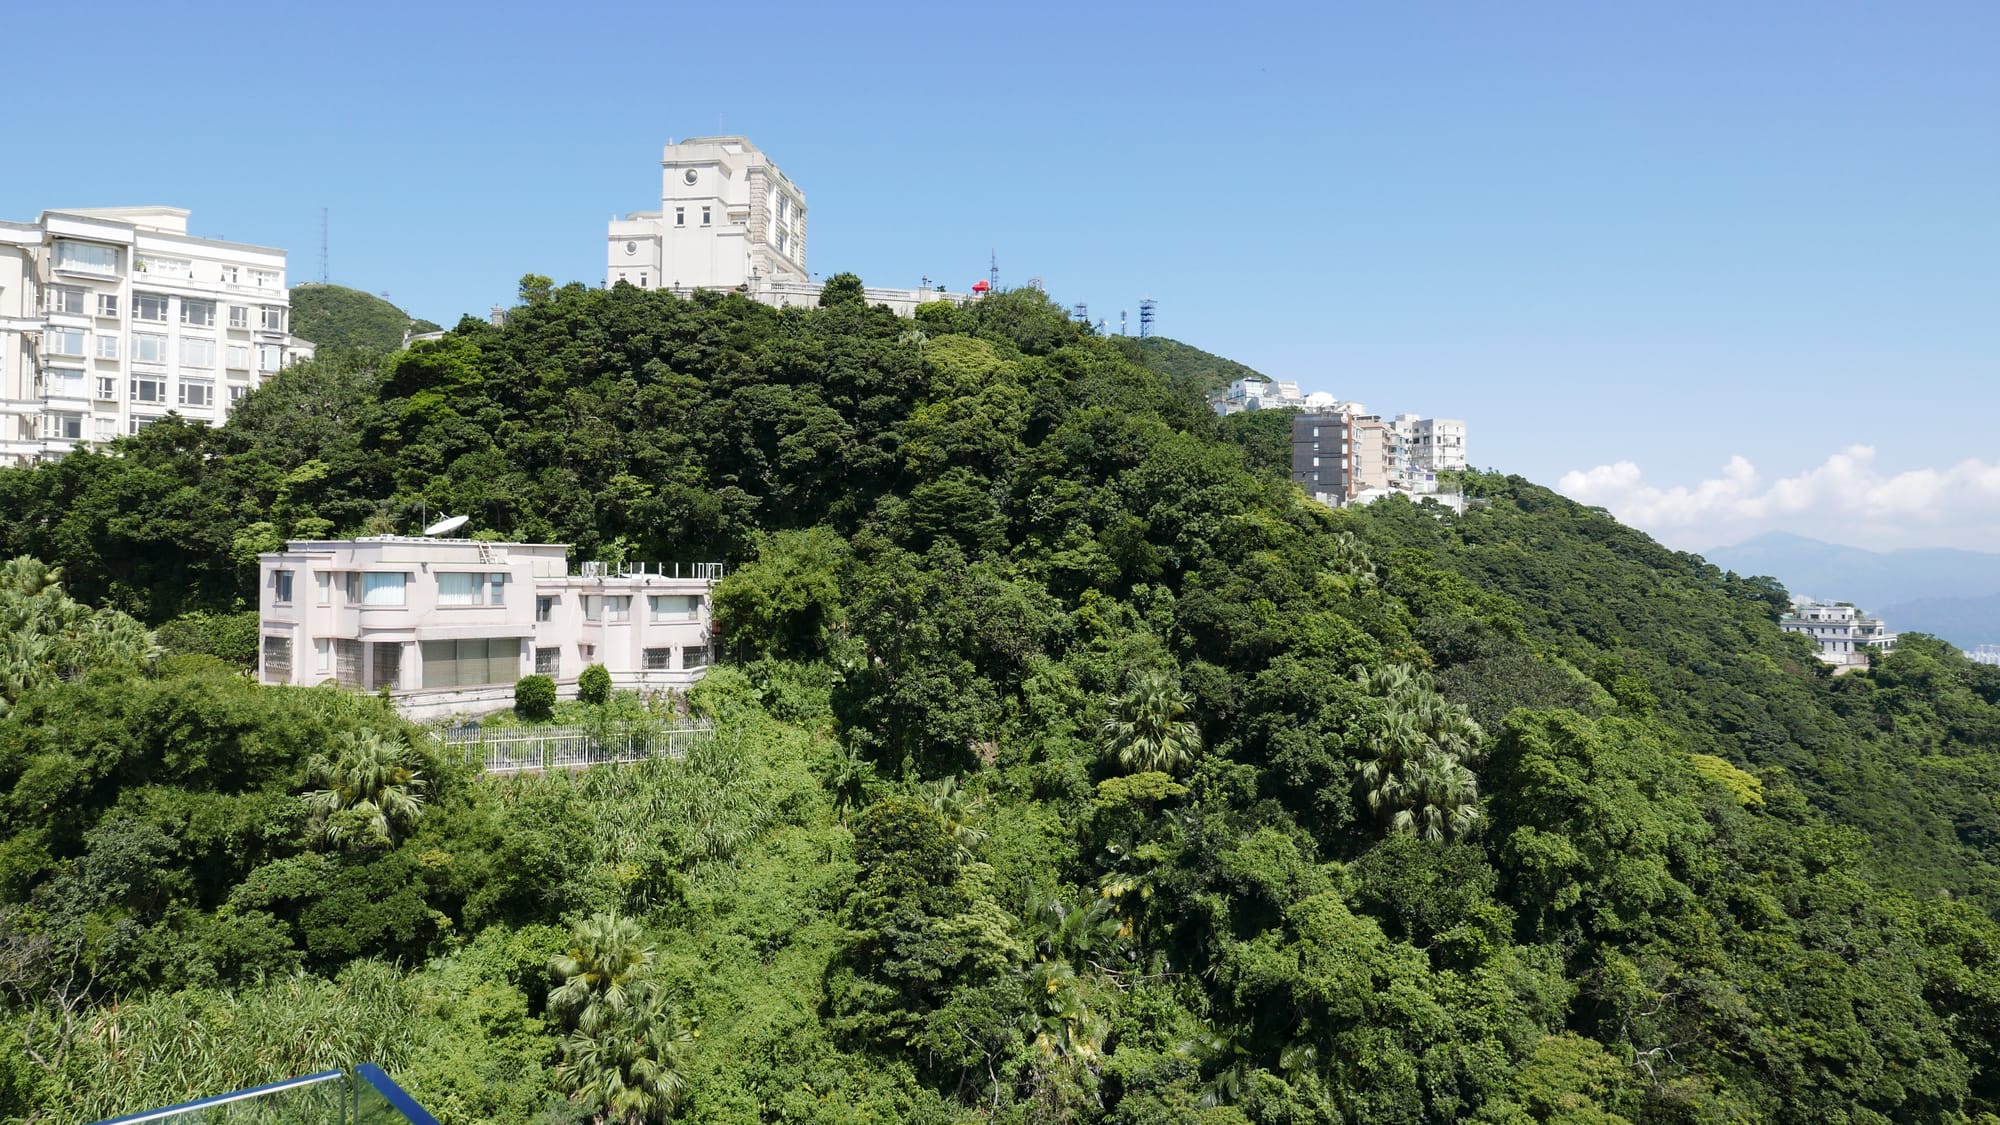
(1626, 242)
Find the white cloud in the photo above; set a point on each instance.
(1845, 498)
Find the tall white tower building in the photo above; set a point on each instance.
(112, 317)
(728, 218)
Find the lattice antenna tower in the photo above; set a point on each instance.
(323, 274)
(1146, 306)
(1080, 312)
(993, 272)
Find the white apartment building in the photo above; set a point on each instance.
(730, 220)
(449, 625)
(1436, 444)
(112, 317)
(1843, 634)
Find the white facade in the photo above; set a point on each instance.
(1436, 444)
(111, 318)
(730, 221)
(449, 625)
(1843, 634)
(727, 215)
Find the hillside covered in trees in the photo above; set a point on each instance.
(1070, 766)
(336, 316)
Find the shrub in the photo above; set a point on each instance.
(535, 698)
(594, 686)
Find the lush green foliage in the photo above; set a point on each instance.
(1070, 766)
(535, 698)
(334, 315)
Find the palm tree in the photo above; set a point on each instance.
(371, 790)
(608, 959)
(1418, 776)
(1439, 798)
(957, 811)
(631, 1069)
(1147, 731)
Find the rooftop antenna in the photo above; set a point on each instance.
(1081, 312)
(1121, 322)
(446, 525)
(322, 246)
(993, 274)
(1146, 305)
(1035, 283)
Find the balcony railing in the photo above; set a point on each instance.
(362, 1096)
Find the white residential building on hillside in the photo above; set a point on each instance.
(449, 625)
(1436, 444)
(1843, 634)
(112, 317)
(729, 221)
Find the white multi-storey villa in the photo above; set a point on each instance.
(1436, 444)
(449, 625)
(729, 221)
(1844, 635)
(112, 317)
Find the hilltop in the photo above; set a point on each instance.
(1205, 372)
(334, 315)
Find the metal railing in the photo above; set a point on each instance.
(539, 749)
(364, 1096)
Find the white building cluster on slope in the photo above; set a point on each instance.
(1342, 454)
(1843, 634)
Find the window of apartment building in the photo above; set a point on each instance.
(323, 655)
(588, 652)
(198, 392)
(347, 662)
(472, 662)
(63, 382)
(269, 356)
(264, 279)
(65, 300)
(707, 216)
(231, 275)
(680, 216)
(107, 388)
(239, 316)
(545, 607)
(236, 393)
(62, 341)
(139, 422)
(548, 661)
(107, 346)
(86, 257)
(197, 314)
(149, 306)
(237, 357)
(107, 428)
(593, 607)
(471, 589)
(107, 304)
(383, 589)
(66, 427)
(784, 206)
(197, 352)
(673, 607)
(694, 656)
(271, 318)
(781, 243)
(157, 265)
(658, 659)
(277, 660)
(324, 580)
(618, 610)
(642, 281)
(281, 586)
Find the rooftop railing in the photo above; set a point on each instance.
(362, 1096)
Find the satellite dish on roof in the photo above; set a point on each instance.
(446, 525)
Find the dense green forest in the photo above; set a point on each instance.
(336, 316)
(1069, 765)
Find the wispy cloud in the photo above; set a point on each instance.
(1845, 497)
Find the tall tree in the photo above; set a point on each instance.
(1148, 730)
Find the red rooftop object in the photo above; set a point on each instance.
(980, 287)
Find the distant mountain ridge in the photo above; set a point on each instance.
(338, 316)
(1954, 594)
(1207, 371)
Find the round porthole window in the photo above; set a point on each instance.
(631, 248)
(688, 177)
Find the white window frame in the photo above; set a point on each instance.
(271, 318)
(618, 609)
(107, 388)
(149, 347)
(64, 300)
(107, 346)
(63, 341)
(198, 393)
(155, 384)
(141, 302)
(377, 589)
(67, 257)
(239, 316)
(281, 587)
(197, 351)
(197, 314)
(63, 382)
(107, 305)
(264, 279)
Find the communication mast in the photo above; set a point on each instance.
(1080, 312)
(993, 274)
(322, 246)
(1146, 306)
(1121, 322)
